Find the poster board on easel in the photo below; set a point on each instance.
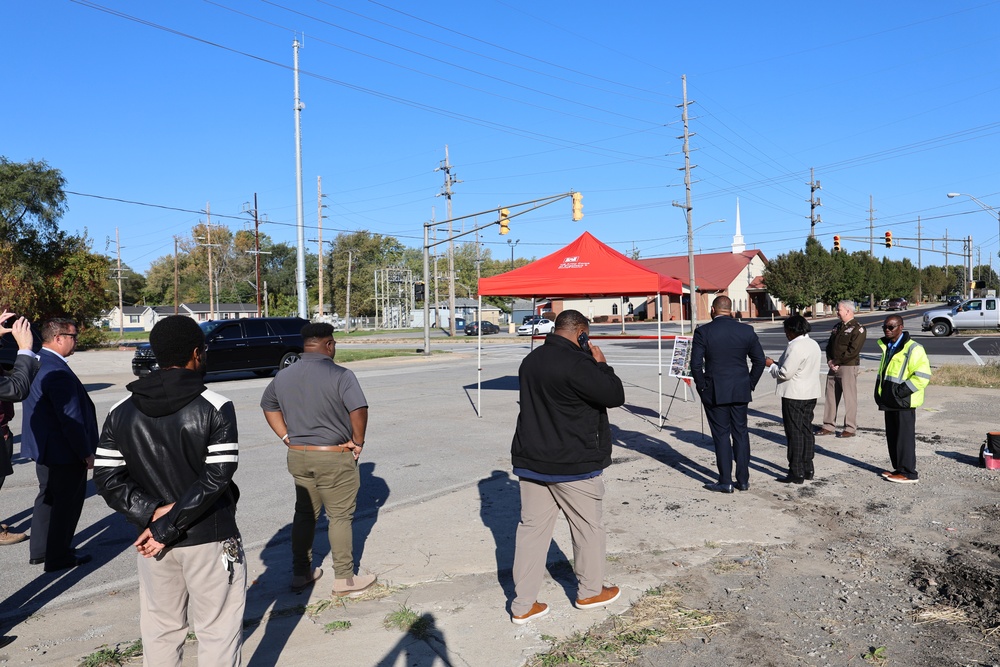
(680, 368)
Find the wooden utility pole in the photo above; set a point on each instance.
(211, 277)
(350, 258)
(871, 227)
(692, 285)
(319, 223)
(256, 250)
(121, 306)
(176, 280)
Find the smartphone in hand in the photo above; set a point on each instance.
(584, 341)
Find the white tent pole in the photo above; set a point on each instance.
(659, 353)
(479, 357)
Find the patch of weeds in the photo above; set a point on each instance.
(613, 558)
(962, 375)
(711, 545)
(407, 620)
(655, 618)
(336, 626)
(375, 592)
(318, 607)
(113, 657)
(875, 656)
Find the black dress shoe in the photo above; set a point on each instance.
(720, 488)
(810, 474)
(743, 487)
(36, 561)
(7, 639)
(791, 479)
(76, 562)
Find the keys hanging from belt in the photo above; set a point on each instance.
(232, 552)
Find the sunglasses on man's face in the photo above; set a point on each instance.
(889, 327)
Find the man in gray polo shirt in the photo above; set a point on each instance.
(318, 410)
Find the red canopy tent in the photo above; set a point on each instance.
(585, 268)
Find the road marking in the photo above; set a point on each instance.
(973, 352)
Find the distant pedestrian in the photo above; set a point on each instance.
(903, 373)
(561, 446)
(797, 373)
(166, 461)
(719, 353)
(59, 433)
(843, 359)
(317, 409)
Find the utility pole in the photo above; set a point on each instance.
(176, 280)
(256, 250)
(920, 264)
(300, 251)
(814, 203)
(121, 305)
(692, 287)
(211, 276)
(449, 180)
(871, 227)
(437, 298)
(347, 306)
(319, 222)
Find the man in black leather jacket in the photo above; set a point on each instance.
(14, 388)
(165, 461)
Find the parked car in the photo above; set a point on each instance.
(536, 327)
(899, 303)
(258, 344)
(472, 328)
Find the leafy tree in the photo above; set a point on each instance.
(933, 282)
(32, 202)
(365, 252)
(797, 278)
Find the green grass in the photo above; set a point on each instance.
(409, 621)
(113, 657)
(336, 626)
(964, 375)
(347, 356)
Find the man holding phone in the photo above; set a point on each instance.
(13, 389)
(561, 446)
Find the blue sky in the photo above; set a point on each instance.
(182, 103)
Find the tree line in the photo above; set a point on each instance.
(802, 278)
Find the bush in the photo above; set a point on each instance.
(91, 337)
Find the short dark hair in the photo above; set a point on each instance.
(797, 325)
(316, 330)
(570, 319)
(54, 326)
(723, 304)
(174, 338)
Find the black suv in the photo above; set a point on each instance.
(258, 344)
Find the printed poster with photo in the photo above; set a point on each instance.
(680, 361)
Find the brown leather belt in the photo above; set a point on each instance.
(320, 448)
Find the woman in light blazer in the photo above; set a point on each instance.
(797, 373)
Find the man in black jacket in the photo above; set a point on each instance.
(561, 446)
(13, 389)
(165, 461)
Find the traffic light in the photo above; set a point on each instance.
(836, 243)
(888, 239)
(504, 221)
(418, 292)
(577, 207)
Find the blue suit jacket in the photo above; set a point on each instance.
(719, 354)
(59, 424)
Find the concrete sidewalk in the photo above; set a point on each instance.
(448, 557)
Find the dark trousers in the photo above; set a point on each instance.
(901, 436)
(798, 417)
(732, 441)
(6, 453)
(58, 505)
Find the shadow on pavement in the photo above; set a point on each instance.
(422, 645)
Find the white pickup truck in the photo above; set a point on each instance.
(981, 313)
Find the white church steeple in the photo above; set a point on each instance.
(738, 244)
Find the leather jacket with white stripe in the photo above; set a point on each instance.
(171, 441)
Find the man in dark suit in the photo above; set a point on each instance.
(59, 432)
(719, 354)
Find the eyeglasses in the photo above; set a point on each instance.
(890, 327)
(73, 336)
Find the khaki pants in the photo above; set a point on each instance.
(581, 502)
(191, 582)
(842, 383)
(328, 480)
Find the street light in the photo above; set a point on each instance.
(985, 207)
